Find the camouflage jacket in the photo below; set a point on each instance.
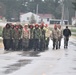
(36, 33)
(42, 35)
(31, 33)
(16, 34)
(55, 34)
(26, 33)
(6, 33)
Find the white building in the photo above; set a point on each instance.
(39, 18)
(27, 16)
(46, 18)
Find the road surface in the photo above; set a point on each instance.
(49, 62)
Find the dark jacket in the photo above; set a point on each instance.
(66, 32)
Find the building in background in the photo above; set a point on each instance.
(39, 18)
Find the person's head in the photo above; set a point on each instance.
(26, 26)
(36, 26)
(31, 26)
(12, 26)
(8, 25)
(67, 27)
(55, 26)
(46, 25)
(20, 26)
(59, 26)
(42, 26)
(16, 26)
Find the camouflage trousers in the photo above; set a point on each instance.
(25, 43)
(15, 44)
(55, 43)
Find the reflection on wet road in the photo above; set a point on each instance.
(20, 63)
(49, 62)
(16, 66)
(30, 53)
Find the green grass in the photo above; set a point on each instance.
(0, 31)
(74, 34)
(73, 30)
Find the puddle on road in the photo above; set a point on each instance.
(16, 66)
(30, 54)
(66, 54)
(20, 63)
(74, 60)
(74, 68)
(58, 58)
(74, 50)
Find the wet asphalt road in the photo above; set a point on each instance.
(58, 62)
(21, 62)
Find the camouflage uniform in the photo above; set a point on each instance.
(42, 39)
(12, 31)
(60, 37)
(31, 40)
(16, 37)
(36, 38)
(20, 39)
(6, 34)
(25, 38)
(54, 37)
(47, 36)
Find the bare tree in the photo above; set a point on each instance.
(32, 19)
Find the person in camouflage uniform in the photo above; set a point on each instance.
(12, 31)
(16, 37)
(6, 34)
(20, 40)
(47, 35)
(36, 37)
(25, 37)
(42, 37)
(31, 41)
(55, 36)
(60, 36)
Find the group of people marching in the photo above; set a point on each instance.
(17, 37)
(57, 34)
(36, 37)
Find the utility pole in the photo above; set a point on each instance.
(37, 12)
(75, 17)
(37, 9)
(68, 16)
(62, 17)
(75, 13)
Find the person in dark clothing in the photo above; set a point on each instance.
(11, 40)
(20, 39)
(6, 34)
(36, 37)
(42, 38)
(31, 40)
(66, 34)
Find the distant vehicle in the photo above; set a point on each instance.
(58, 21)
